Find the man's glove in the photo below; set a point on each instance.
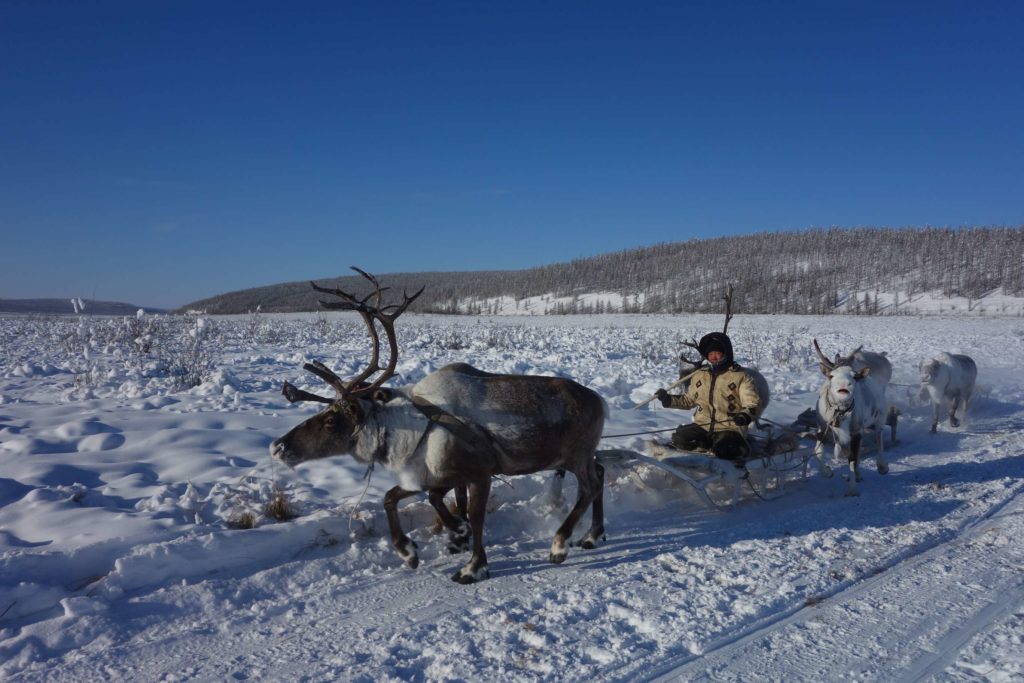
(741, 419)
(664, 397)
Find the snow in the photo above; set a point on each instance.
(991, 303)
(124, 493)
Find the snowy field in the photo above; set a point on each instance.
(132, 451)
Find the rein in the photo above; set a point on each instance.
(785, 428)
(652, 431)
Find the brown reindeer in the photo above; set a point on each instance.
(455, 429)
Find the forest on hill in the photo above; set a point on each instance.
(812, 271)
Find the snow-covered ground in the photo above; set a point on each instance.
(121, 488)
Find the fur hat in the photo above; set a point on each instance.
(716, 341)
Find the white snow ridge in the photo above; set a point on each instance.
(138, 544)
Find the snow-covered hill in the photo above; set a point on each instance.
(120, 486)
(906, 271)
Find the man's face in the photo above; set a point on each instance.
(715, 356)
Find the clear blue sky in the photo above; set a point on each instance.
(161, 151)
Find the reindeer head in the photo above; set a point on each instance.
(929, 371)
(335, 429)
(840, 375)
(332, 431)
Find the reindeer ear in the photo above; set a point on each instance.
(862, 373)
(382, 395)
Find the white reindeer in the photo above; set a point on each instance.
(850, 402)
(881, 368)
(881, 372)
(948, 379)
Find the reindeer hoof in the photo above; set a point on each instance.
(953, 422)
(407, 552)
(590, 541)
(458, 545)
(467, 576)
(883, 469)
(558, 558)
(827, 472)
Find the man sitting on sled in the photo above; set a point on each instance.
(725, 400)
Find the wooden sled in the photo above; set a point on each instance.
(772, 461)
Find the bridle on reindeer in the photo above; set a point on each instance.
(830, 365)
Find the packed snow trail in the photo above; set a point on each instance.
(905, 624)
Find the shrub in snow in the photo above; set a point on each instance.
(192, 360)
(140, 332)
(253, 324)
(322, 326)
(279, 508)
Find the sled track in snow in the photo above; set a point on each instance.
(365, 610)
(199, 652)
(942, 594)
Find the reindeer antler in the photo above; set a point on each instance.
(849, 359)
(728, 309)
(371, 314)
(692, 343)
(824, 359)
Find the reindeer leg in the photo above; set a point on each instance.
(819, 455)
(458, 529)
(953, 422)
(892, 419)
(476, 569)
(935, 416)
(405, 546)
(462, 501)
(553, 498)
(880, 462)
(596, 532)
(587, 491)
(854, 462)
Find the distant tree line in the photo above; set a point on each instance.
(69, 306)
(811, 271)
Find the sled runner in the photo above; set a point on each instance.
(772, 461)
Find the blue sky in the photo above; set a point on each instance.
(159, 152)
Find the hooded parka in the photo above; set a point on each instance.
(715, 393)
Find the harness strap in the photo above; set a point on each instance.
(837, 415)
(473, 435)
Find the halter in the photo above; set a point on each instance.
(837, 413)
